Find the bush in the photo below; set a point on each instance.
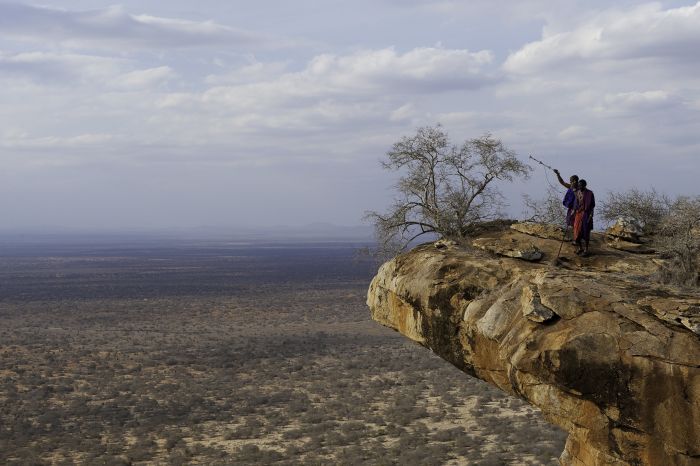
(647, 207)
(548, 210)
(673, 226)
(679, 239)
(449, 435)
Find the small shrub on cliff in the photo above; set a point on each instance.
(548, 210)
(679, 239)
(444, 189)
(673, 226)
(648, 207)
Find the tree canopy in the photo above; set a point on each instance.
(444, 189)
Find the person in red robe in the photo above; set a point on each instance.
(583, 217)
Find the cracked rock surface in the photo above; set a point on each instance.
(598, 347)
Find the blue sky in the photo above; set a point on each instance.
(155, 114)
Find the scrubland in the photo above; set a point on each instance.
(231, 354)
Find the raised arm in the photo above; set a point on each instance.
(561, 180)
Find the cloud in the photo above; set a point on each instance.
(404, 113)
(114, 27)
(573, 132)
(641, 101)
(47, 142)
(53, 70)
(426, 69)
(250, 73)
(376, 73)
(647, 31)
(53, 67)
(343, 93)
(257, 110)
(147, 78)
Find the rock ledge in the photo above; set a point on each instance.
(601, 351)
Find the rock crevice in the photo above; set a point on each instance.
(603, 352)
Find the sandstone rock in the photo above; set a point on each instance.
(532, 306)
(676, 311)
(616, 363)
(541, 230)
(626, 229)
(628, 246)
(508, 249)
(445, 243)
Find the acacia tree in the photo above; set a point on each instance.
(444, 189)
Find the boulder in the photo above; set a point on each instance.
(532, 306)
(603, 351)
(626, 229)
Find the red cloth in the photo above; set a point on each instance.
(583, 219)
(579, 231)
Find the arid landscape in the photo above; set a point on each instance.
(169, 352)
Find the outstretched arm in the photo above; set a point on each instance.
(561, 180)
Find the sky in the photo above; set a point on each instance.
(157, 114)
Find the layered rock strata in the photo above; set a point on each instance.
(601, 350)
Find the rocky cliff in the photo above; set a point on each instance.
(594, 343)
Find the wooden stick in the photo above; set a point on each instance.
(541, 163)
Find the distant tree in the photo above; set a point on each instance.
(647, 207)
(444, 189)
(679, 238)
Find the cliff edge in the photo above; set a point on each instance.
(598, 347)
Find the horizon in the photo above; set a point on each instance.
(281, 234)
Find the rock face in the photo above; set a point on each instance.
(602, 351)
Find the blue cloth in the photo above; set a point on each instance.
(569, 201)
(569, 198)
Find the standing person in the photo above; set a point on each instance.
(583, 217)
(569, 197)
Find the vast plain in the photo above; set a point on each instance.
(151, 351)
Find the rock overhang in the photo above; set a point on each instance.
(604, 353)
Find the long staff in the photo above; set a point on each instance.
(566, 230)
(541, 163)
